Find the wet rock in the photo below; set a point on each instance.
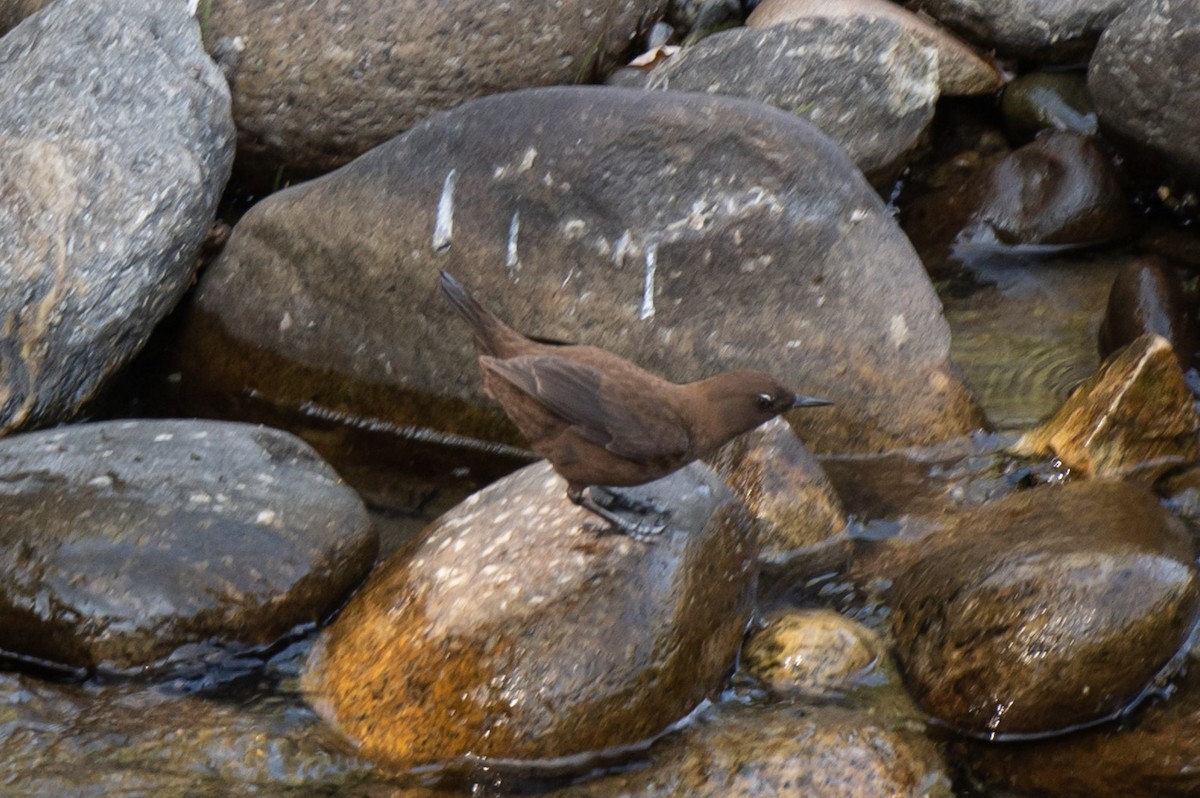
(783, 487)
(1147, 299)
(520, 629)
(1060, 190)
(961, 71)
(1134, 419)
(115, 144)
(812, 652)
(1054, 32)
(143, 544)
(147, 742)
(735, 751)
(870, 85)
(1154, 754)
(1049, 609)
(925, 481)
(1040, 101)
(1139, 78)
(690, 234)
(312, 90)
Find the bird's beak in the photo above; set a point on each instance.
(809, 401)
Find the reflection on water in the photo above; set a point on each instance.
(1024, 331)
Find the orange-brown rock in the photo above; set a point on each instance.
(517, 630)
(1135, 418)
(812, 652)
(784, 487)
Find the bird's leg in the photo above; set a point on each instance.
(637, 531)
(619, 500)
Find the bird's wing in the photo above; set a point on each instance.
(573, 392)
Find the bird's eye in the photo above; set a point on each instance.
(765, 401)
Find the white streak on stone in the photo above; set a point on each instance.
(443, 228)
(621, 249)
(511, 260)
(648, 286)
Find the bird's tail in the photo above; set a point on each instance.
(492, 336)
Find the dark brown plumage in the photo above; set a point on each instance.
(601, 420)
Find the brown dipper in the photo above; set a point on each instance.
(602, 421)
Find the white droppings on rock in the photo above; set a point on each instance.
(162, 437)
(102, 481)
(647, 309)
(266, 517)
(897, 330)
(199, 498)
(858, 215)
(443, 228)
(528, 160)
(622, 247)
(511, 260)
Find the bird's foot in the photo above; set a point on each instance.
(603, 505)
(619, 500)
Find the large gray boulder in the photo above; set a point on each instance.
(115, 143)
(690, 233)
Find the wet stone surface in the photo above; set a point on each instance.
(745, 751)
(1053, 608)
(1134, 419)
(142, 545)
(520, 629)
(784, 488)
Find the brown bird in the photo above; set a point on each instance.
(601, 420)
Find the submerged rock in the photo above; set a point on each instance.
(521, 629)
(1135, 418)
(1050, 609)
(735, 751)
(812, 652)
(143, 741)
(131, 545)
(1040, 101)
(1156, 754)
(115, 143)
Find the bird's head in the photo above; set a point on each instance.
(737, 401)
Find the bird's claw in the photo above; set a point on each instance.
(604, 503)
(618, 500)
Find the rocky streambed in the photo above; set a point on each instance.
(263, 534)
